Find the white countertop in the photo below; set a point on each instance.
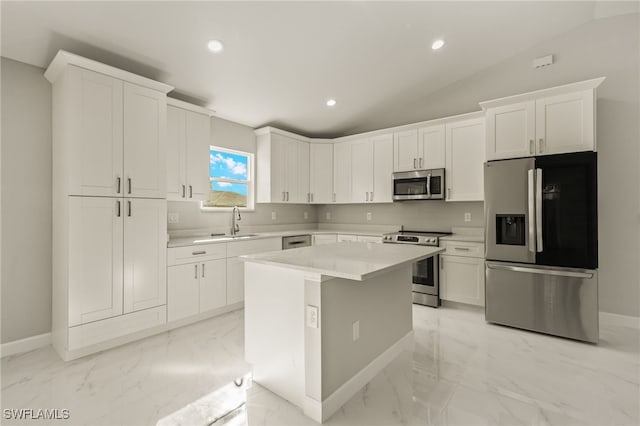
(350, 260)
(208, 239)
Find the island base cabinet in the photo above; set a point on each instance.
(462, 279)
(235, 280)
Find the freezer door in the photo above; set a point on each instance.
(562, 302)
(509, 210)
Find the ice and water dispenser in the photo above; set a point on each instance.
(510, 229)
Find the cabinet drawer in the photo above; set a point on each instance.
(464, 249)
(197, 253)
(239, 248)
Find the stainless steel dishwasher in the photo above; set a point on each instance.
(296, 241)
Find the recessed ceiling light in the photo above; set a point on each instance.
(437, 44)
(331, 102)
(215, 46)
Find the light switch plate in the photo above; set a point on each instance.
(306, 215)
(328, 215)
(274, 216)
(174, 218)
(467, 217)
(369, 216)
(312, 316)
(356, 330)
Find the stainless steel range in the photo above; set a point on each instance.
(425, 281)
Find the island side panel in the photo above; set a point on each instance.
(381, 304)
(274, 329)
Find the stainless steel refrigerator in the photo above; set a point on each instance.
(542, 244)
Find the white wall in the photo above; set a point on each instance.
(26, 201)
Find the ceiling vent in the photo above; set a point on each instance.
(542, 62)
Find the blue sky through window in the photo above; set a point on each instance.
(225, 165)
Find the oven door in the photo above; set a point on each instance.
(425, 282)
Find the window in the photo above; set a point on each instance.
(230, 173)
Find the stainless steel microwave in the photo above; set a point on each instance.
(419, 185)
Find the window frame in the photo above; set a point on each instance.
(250, 182)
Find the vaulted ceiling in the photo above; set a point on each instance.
(283, 60)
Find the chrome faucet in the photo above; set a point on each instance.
(235, 217)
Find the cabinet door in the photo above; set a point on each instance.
(198, 145)
(213, 284)
(91, 122)
(302, 194)
(145, 114)
(324, 239)
(277, 168)
(176, 154)
(462, 279)
(465, 158)
(405, 145)
(145, 253)
(321, 172)
(347, 238)
(369, 239)
(382, 191)
(342, 172)
(182, 291)
(432, 147)
(511, 131)
(235, 280)
(95, 258)
(361, 170)
(565, 123)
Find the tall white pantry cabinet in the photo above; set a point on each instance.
(109, 205)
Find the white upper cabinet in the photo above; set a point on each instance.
(549, 121)
(342, 172)
(321, 172)
(361, 170)
(566, 123)
(406, 151)
(282, 167)
(465, 152)
(431, 147)
(419, 149)
(109, 136)
(145, 114)
(382, 191)
(187, 152)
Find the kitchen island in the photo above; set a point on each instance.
(322, 321)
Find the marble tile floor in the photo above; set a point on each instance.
(461, 371)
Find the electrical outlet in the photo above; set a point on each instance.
(467, 217)
(369, 216)
(274, 216)
(312, 316)
(174, 218)
(328, 215)
(356, 330)
(306, 215)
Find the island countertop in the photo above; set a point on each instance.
(350, 260)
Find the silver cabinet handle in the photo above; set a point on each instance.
(129, 181)
(367, 196)
(441, 263)
(420, 162)
(531, 210)
(190, 191)
(414, 163)
(282, 195)
(196, 275)
(118, 209)
(539, 247)
(203, 270)
(312, 197)
(184, 191)
(462, 248)
(118, 181)
(541, 147)
(308, 197)
(540, 271)
(129, 205)
(196, 253)
(287, 195)
(371, 198)
(448, 193)
(531, 146)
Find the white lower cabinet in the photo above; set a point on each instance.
(359, 238)
(213, 285)
(462, 273)
(235, 280)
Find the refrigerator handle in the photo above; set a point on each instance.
(540, 271)
(531, 212)
(539, 246)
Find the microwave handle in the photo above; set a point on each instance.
(429, 184)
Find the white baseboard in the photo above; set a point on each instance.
(344, 393)
(25, 345)
(619, 320)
